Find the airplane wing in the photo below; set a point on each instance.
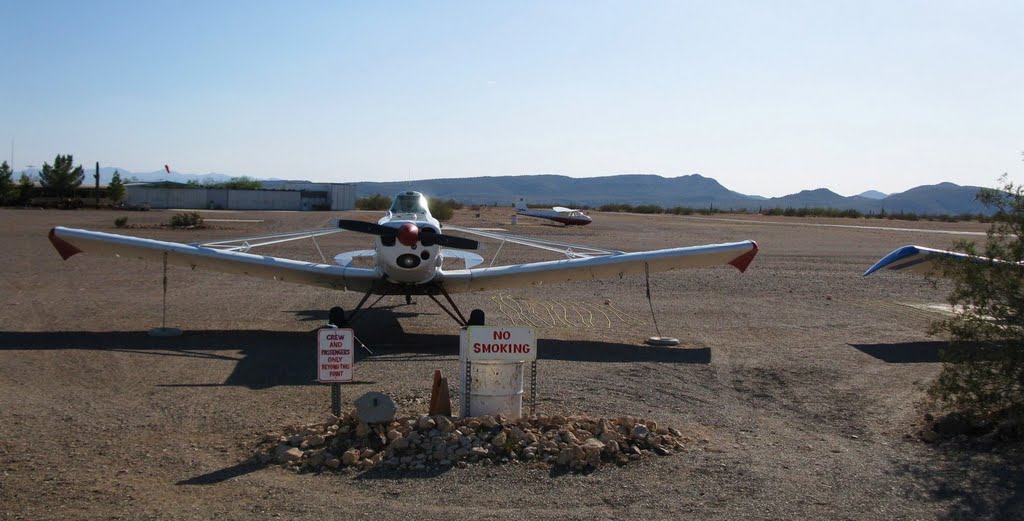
(737, 254)
(916, 259)
(70, 241)
(562, 209)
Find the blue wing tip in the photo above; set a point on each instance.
(893, 256)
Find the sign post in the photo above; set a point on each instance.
(334, 361)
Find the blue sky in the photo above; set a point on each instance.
(768, 98)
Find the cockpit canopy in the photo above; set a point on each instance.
(409, 202)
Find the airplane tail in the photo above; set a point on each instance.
(520, 203)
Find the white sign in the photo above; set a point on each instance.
(500, 343)
(335, 355)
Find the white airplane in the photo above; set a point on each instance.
(406, 259)
(560, 214)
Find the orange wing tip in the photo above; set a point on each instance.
(744, 260)
(64, 248)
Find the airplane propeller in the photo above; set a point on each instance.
(408, 234)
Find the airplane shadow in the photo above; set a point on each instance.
(265, 359)
(904, 352)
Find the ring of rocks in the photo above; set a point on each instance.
(577, 443)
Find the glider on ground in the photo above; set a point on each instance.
(559, 214)
(406, 259)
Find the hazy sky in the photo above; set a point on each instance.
(767, 97)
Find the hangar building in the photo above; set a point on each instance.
(275, 195)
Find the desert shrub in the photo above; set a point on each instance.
(982, 374)
(186, 220)
(120, 222)
(443, 210)
(374, 202)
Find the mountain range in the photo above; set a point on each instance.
(695, 191)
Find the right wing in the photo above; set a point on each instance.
(70, 241)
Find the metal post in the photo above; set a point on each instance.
(533, 388)
(468, 391)
(163, 320)
(336, 400)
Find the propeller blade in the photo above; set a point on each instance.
(365, 227)
(452, 241)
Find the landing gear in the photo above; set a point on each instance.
(408, 299)
(336, 317)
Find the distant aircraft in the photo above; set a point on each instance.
(566, 216)
(409, 249)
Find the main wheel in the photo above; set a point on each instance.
(337, 317)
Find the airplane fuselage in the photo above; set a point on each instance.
(570, 218)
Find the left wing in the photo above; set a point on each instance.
(70, 241)
(737, 254)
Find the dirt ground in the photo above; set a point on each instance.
(801, 377)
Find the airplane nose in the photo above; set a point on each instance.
(408, 234)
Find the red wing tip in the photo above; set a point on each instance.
(743, 261)
(64, 248)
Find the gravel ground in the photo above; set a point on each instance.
(800, 380)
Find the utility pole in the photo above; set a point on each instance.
(97, 176)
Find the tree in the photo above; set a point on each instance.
(25, 189)
(982, 375)
(7, 190)
(115, 189)
(62, 178)
(243, 183)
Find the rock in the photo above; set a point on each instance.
(400, 444)
(500, 439)
(639, 432)
(425, 423)
(367, 454)
(315, 440)
(287, 454)
(333, 463)
(565, 456)
(363, 430)
(316, 459)
(295, 440)
(393, 435)
(557, 420)
(662, 451)
(444, 424)
(488, 422)
(350, 457)
(929, 436)
(374, 407)
(675, 432)
(611, 447)
(478, 451)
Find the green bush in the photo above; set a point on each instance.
(120, 222)
(186, 220)
(982, 373)
(374, 202)
(443, 210)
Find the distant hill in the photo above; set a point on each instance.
(695, 191)
(687, 190)
(873, 194)
(946, 198)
